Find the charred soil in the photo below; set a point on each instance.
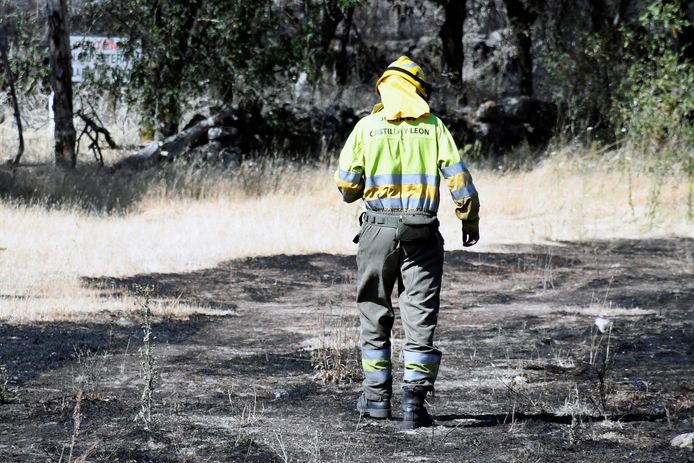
(526, 376)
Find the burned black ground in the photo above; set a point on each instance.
(516, 383)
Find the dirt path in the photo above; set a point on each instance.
(516, 384)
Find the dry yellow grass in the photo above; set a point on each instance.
(46, 251)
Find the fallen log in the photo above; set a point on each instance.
(174, 146)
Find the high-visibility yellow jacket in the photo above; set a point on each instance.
(395, 166)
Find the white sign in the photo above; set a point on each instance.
(89, 52)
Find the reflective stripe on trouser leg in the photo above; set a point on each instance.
(377, 367)
(421, 367)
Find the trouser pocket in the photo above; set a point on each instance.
(416, 228)
(355, 240)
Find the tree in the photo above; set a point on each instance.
(61, 82)
(10, 83)
(228, 50)
(184, 49)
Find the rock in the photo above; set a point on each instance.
(511, 109)
(489, 47)
(684, 441)
(214, 133)
(602, 324)
(150, 149)
(196, 119)
(124, 321)
(300, 87)
(224, 135)
(5, 178)
(230, 157)
(519, 380)
(509, 121)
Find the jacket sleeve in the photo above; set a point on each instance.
(350, 173)
(458, 179)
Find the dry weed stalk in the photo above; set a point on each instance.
(249, 410)
(147, 356)
(76, 424)
(531, 454)
(281, 449)
(598, 335)
(5, 393)
(537, 266)
(548, 276)
(599, 358)
(313, 448)
(90, 368)
(335, 359)
(519, 393)
(578, 411)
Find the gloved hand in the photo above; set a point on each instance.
(471, 234)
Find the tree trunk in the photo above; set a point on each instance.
(13, 94)
(342, 65)
(451, 35)
(522, 16)
(61, 82)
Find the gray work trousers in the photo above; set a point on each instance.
(417, 266)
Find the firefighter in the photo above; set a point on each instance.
(393, 160)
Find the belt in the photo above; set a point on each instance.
(383, 220)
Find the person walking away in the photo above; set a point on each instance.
(393, 160)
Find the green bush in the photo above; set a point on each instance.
(655, 105)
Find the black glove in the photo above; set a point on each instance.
(471, 234)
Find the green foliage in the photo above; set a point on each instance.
(657, 92)
(655, 105)
(215, 53)
(656, 101)
(28, 52)
(582, 70)
(344, 4)
(226, 50)
(182, 50)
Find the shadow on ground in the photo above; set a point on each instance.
(516, 383)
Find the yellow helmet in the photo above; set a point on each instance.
(408, 69)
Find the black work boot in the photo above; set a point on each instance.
(374, 408)
(415, 414)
